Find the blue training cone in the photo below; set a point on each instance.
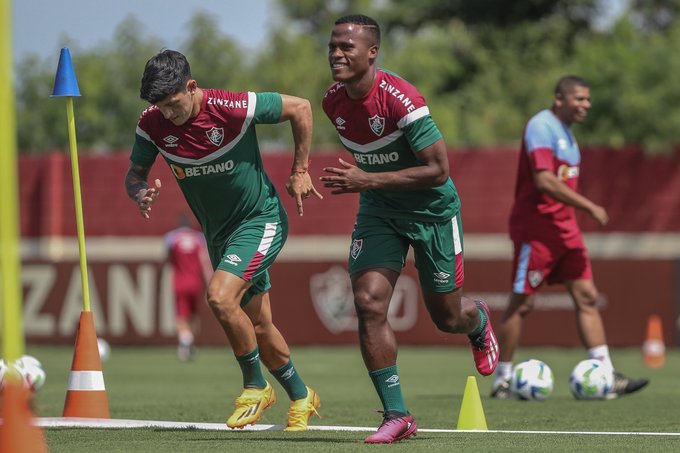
(65, 83)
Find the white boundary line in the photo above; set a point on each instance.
(75, 422)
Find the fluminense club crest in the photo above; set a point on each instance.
(535, 278)
(357, 245)
(215, 135)
(377, 124)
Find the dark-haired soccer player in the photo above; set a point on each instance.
(407, 199)
(547, 240)
(208, 139)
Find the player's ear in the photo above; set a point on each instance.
(373, 53)
(191, 85)
(559, 100)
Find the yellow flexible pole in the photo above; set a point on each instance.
(10, 281)
(78, 201)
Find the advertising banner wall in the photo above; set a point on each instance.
(312, 303)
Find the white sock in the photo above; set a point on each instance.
(503, 372)
(185, 338)
(601, 353)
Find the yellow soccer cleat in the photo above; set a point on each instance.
(300, 411)
(250, 405)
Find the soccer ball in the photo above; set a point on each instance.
(532, 380)
(31, 371)
(591, 379)
(104, 349)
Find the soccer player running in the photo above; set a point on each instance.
(548, 246)
(406, 199)
(188, 259)
(207, 137)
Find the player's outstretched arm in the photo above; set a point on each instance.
(433, 171)
(549, 184)
(299, 112)
(138, 189)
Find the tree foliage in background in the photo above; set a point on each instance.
(484, 67)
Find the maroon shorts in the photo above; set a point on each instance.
(186, 302)
(537, 262)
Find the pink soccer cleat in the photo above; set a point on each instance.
(395, 427)
(485, 345)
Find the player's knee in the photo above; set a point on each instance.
(220, 305)
(526, 307)
(368, 306)
(587, 299)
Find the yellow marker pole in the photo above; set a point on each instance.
(16, 432)
(78, 202)
(10, 281)
(66, 85)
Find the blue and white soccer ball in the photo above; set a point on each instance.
(591, 379)
(31, 371)
(532, 380)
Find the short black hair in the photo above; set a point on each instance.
(165, 74)
(567, 84)
(365, 21)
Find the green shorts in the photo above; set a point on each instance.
(437, 247)
(250, 250)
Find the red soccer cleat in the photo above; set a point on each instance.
(485, 345)
(395, 427)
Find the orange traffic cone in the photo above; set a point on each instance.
(86, 395)
(17, 435)
(654, 349)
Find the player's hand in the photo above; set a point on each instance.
(348, 179)
(147, 197)
(300, 187)
(599, 214)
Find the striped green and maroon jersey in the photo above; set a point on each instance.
(215, 158)
(384, 131)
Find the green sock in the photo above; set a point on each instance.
(482, 324)
(386, 382)
(250, 368)
(290, 380)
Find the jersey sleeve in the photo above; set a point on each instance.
(421, 133)
(143, 151)
(539, 146)
(268, 108)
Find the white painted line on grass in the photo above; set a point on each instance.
(76, 422)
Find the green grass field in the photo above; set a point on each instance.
(150, 384)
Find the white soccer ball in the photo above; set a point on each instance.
(31, 371)
(104, 349)
(591, 379)
(532, 380)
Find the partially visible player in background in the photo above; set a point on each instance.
(407, 199)
(547, 240)
(208, 138)
(188, 258)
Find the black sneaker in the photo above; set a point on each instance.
(624, 386)
(501, 391)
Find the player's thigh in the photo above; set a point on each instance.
(438, 252)
(251, 249)
(226, 289)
